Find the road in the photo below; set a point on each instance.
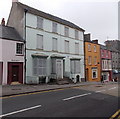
(83, 101)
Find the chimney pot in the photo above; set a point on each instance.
(3, 22)
(14, 0)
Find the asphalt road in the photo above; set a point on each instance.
(73, 102)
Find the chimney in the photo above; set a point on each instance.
(3, 22)
(95, 41)
(87, 37)
(14, 1)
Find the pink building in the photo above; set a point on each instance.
(106, 63)
(11, 56)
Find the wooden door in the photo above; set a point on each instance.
(15, 73)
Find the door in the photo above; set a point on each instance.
(15, 73)
(59, 68)
(1, 72)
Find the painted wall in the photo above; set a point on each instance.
(0, 49)
(9, 55)
(88, 66)
(106, 54)
(31, 34)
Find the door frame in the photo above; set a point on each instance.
(20, 75)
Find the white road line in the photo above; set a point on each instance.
(76, 96)
(19, 111)
(100, 91)
(112, 88)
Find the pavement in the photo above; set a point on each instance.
(8, 90)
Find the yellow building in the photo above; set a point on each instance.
(92, 60)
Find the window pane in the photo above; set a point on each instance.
(66, 31)
(39, 43)
(54, 28)
(40, 22)
(19, 48)
(54, 47)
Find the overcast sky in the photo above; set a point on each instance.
(98, 18)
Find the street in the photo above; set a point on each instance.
(79, 101)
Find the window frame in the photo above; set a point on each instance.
(20, 48)
(40, 21)
(37, 42)
(66, 31)
(96, 71)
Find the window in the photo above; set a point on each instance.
(54, 27)
(54, 44)
(39, 66)
(39, 22)
(95, 49)
(89, 47)
(66, 46)
(75, 66)
(19, 48)
(39, 43)
(89, 60)
(95, 60)
(76, 48)
(76, 34)
(94, 73)
(66, 31)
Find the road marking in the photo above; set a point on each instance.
(112, 88)
(76, 96)
(116, 114)
(100, 91)
(20, 111)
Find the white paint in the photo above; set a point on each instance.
(19, 111)
(100, 91)
(76, 96)
(112, 88)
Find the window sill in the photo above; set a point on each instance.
(19, 55)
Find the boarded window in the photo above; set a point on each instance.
(40, 22)
(54, 27)
(67, 31)
(54, 44)
(39, 43)
(66, 46)
(19, 48)
(39, 66)
(76, 48)
(75, 66)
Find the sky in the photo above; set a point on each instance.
(98, 17)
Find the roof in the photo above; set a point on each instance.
(48, 16)
(9, 33)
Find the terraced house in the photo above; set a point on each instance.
(54, 46)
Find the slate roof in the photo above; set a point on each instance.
(48, 16)
(9, 33)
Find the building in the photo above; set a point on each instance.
(11, 56)
(92, 59)
(106, 63)
(54, 46)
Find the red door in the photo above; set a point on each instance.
(1, 72)
(15, 72)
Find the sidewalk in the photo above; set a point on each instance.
(8, 90)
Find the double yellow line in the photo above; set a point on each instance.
(116, 115)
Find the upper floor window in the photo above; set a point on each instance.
(95, 48)
(76, 34)
(19, 48)
(54, 44)
(95, 60)
(89, 47)
(66, 31)
(66, 46)
(89, 60)
(76, 48)
(39, 42)
(54, 27)
(39, 22)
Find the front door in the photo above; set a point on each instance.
(15, 73)
(59, 68)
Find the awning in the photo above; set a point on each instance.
(57, 56)
(39, 55)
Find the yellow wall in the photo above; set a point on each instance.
(90, 68)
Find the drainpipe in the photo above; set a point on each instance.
(25, 11)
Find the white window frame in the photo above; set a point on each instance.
(89, 47)
(39, 42)
(39, 22)
(54, 44)
(20, 48)
(75, 66)
(67, 46)
(76, 34)
(89, 60)
(96, 71)
(76, 48)
(95, 48)
(95, 60)
(66, 31)
(54, 27)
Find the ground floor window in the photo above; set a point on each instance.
(94, 73)
(39, 66)
(75, 66)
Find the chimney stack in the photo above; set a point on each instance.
(3, 22)
(95, 41)
(14, 0)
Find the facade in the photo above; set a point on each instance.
(54, 47)
(92, 59)
(11, 56)
(106, 63)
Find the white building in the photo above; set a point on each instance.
(54, 47)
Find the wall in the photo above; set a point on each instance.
(9, 55)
